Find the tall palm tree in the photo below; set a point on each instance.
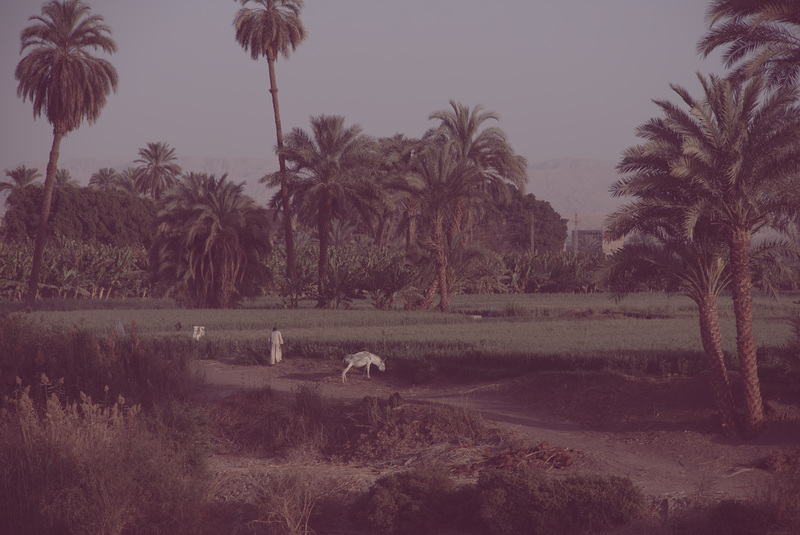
(64, 81)
(326, 175)
(103, 179)
(739, 151)
(499, 169)
(20, 176)
(212, 237)
(269, 30)
(760, 36)
(158, 169)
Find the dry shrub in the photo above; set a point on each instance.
(286, 503)
(257, 421)
(775, 510)
(529, 502)
(84, 468)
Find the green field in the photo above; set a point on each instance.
(534, 330)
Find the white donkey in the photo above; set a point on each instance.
(359, 360)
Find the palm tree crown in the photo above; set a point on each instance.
(20, 176)
(158, 169)
(103, 179)
(60, 77)
(212, 236)
(760, 35)
(66, 82)
(271, 29)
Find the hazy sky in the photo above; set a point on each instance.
(569, 78)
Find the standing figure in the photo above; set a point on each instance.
(275, 343)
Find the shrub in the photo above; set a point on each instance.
(84, 468)
(421, 500)
(529, 502)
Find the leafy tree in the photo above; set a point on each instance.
(738, 151)
(158, 169)
(84, 215)
(759, 36)
(212, 238)
(401, 207)
(326, 176)
(64, 81)
(269, 30)
(21, 177)
(512, 229)
(103, 179)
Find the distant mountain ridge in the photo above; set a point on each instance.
(571, 185)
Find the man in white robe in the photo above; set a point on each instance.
(275, 343)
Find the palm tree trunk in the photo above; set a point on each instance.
(41, 232)
(324, 230)
(291, 264)
(715, 359)
(440, 256)
(741, 286)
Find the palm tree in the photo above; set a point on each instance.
(103, 179)
(444, 184)
(64, 178)
(401, 207)
(125, 182)
(158, 169)
(64, 81)
(739, 151)
(760, 36)
(499, 169)
(326, 176)
(269, 30)
(696, 267)
(212, 238)
(20, 176)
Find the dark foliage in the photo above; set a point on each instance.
(512, 230)
(82, 214)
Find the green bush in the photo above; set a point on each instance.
(531, 503)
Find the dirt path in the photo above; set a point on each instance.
(659, 433)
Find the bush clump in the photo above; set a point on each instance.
(421, 500)
(528, 502)
(426, 500)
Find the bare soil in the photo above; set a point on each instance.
(662, 433)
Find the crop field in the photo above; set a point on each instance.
(648, 332)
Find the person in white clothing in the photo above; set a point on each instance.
(275, 343)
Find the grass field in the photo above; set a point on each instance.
(534, 330)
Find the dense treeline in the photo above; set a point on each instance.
(82, 214)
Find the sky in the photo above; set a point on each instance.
(568, 78)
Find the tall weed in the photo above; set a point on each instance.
(82, 467)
